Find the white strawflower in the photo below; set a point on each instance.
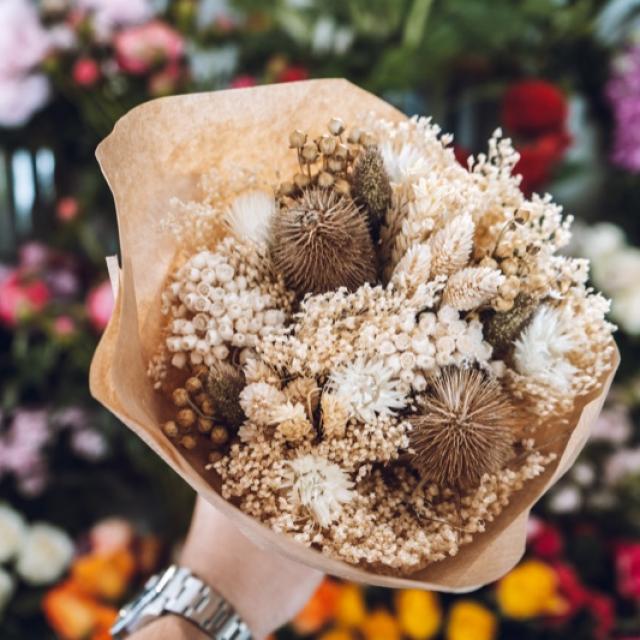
(259, 400)
(249, 216)
(45, 554)
(7, 587)
(367, 388)
(402, 161)
(319, 486)
(12, 529)
(542, 349)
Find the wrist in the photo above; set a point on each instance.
(170, 626)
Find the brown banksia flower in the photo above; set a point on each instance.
(224, 384)
(371, 187)
(320, 242)
(501, 329)
(466, 428)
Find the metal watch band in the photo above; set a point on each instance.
(179, 592)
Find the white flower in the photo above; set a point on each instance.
(565, 500)
(7, 587)
(622, 464)
(249, 216)
(259, 400)
(21, 97)
(367, 388)
(12, 528)
(319, 486)
(598, 240)
(248, 432)
(109, 14)
(403, 162)
(45, 554)
(542, 349)
(625, 309)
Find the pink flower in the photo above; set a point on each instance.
(242, 81)
(86, 72)
(109, 14)
(18, 299)
(21, 97)
(67, 209)
(547, 542)
(64, 326)
(627, 557)
(138, 49)
(23, 40)
(293, 73)
(110, 535)
(163, 83)
(100, 305)
(621, 464)
(33, 255)
(614, 425)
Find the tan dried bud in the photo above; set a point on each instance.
(188, 442)
(327, 145)
(342, 152)
(297, 139)
(215, 456)
(367, 140)
(502, 304)
(335, 164)
(200, 398)
(287, 189)
(336, 126)
(354, 135)
(310, 152)
(342, 186)
(186, 418)
(537, 281)
(301, 181)
(170, 429)
(193, 385)
(200, 370)
(522, 216)
(509, 267)
(504, 250)
(205, 425)
(488, 262)
(207, 407)
(180, 397)
(325, 179)
(510, 288)
(219, 435)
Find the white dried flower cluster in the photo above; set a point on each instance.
(330, 391)
(222, 300)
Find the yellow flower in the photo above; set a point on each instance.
(530, 590)
(380, 625)
(418, 613)
(350, 608)
(469, 620)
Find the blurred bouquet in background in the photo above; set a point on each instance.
(561, 78)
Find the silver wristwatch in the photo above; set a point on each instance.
(177, 591)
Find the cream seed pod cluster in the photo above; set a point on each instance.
(369, 354)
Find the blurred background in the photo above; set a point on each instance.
(86, 511)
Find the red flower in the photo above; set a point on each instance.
(86, 72)
(18, 298)
(546, 542)
(141, 47)
(242, 81)
(534, 107)
(292, 73)
(603, 612)
(67, 208)
(628, 569)
(539, 158)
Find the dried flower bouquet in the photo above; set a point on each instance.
(370, 348)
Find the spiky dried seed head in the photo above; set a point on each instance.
(371, 186)
(501, 329)
(320, 242)
(466, 428)
(224, 384)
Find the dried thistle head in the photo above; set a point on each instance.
(224, 384)
(466, 428)
(501, 329)
(371, 187)
(320, 242)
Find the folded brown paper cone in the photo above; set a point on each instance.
(158, 151)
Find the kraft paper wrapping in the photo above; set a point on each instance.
(158, 151)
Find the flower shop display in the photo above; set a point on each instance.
(369, 348)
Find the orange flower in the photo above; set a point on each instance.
(380, 625)
(149, 549)
(418, 613)
(351, 610)
(469, 620)
(74, 616)
(104, 576)
(320, 608)
(337, 634)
